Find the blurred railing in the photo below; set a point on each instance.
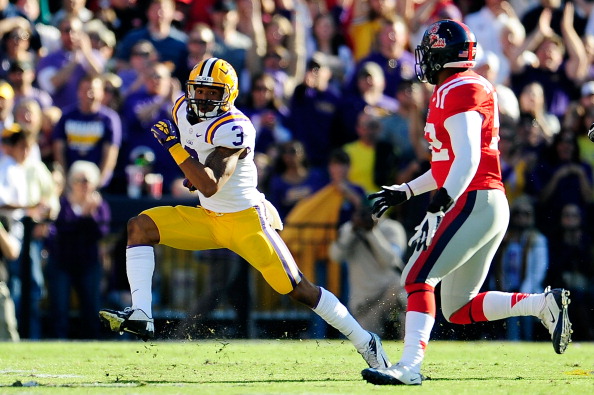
(182, 277)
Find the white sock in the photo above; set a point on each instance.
(140, 264)
(337, 315)
(417, 332)
(500, 305)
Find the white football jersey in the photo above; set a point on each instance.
(232, 130)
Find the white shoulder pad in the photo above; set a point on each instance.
(232, 130)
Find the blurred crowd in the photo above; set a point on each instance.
(82, 82)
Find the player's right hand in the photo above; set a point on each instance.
(392, 195)
(188, 184)
(425, 231)
(166, 133)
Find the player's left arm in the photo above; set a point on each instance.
(465, 135)
(208, 177)
(218, 167)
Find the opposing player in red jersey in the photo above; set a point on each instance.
(467, 216)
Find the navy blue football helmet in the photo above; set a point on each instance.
(445, 44)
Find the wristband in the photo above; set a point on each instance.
(178, 153)
(410, 189)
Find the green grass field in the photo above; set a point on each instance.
(285, 367)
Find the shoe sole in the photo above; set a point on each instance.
(563, 331)
(378, 378)
(114, 323)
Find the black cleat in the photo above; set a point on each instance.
(130, 320)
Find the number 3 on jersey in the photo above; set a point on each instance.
(239, 135)
(437, 152)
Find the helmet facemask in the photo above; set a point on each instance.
(210, 73)
(207, 108)
(423, 69)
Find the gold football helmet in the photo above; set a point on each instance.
(212, 73)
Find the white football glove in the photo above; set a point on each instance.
(425, 231)
(423, 237)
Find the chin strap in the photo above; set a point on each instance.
(191, 116)
(194, 118)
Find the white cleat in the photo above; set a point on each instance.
(395, 375)
(374, 353)
(555, 318)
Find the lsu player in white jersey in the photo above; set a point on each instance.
(467, 216)
(213, 144)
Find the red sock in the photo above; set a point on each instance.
(470, 312)
(421, 298)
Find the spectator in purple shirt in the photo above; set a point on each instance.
(21, 76)
(59, 72)
(370, 93)
(74, 258)
(562, 62)
(140, 110)
(560, 177)
(312, 111)
(293, 179)
(396, 61)
(89, 131)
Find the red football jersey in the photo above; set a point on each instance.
(462, 92)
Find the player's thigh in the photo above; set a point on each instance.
(260, 245)
(183, 227)
(478, 219)
(464, 283)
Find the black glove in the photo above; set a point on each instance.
(441, 202)
(392, 195)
